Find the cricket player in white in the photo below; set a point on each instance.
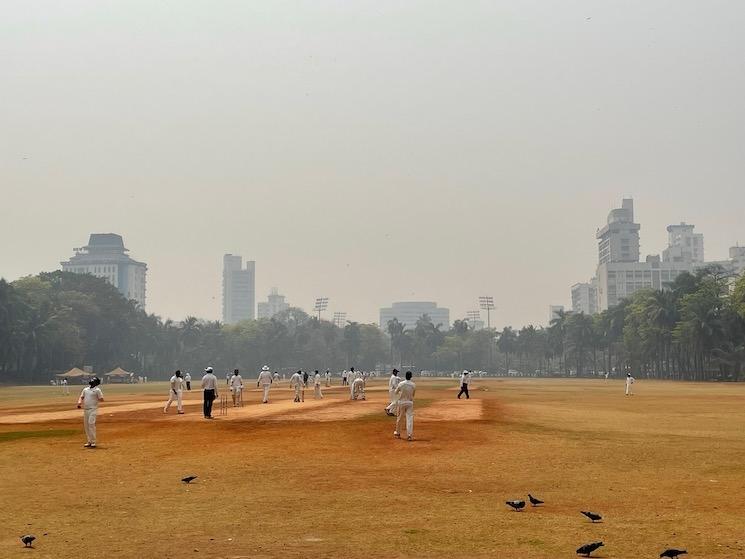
(317, 386)
(276, 376)
(465, 380)
(175, 393)
(265, 380)
(296, 382)
(629, 382)
(393, 382)
(236, 387)
(405, 392)
(65, 387)
(358, 389)
(89, 399)
(328, 378)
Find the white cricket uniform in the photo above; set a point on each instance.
(265, 380)
(327, 374)
(175, 393)
(393, 382)
(236, 387)
(276, 377)
(358, 389)
(317, 386)
(629, 382)
(65, 387)
(89, 399)
(405, 392)
(296, 382)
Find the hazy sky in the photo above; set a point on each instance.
(367, 151)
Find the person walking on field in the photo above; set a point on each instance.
(296, 382)
(209, 385)
(236, 387)
(358, 389)
(327, 374)
(65, 387)
(275, 377)
(465, 380)
(317, 386)
(629, 382)
(187, 380)
(393, 382)
(89, 399)
(265, 380)
(305, 379)
(344, 377)
(405, 393)
(175, 393)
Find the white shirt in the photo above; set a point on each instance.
(317, 379)
(629, 381)
(236, 381)
(405, 391)
(327, 374)
(265, 377)
(296, 380)
(276, 376)
(187, 378)
(89, 397)
(393, 382)
(176, 383)
(343, 374)
(465, 378)
(209, 382)
(358, 382)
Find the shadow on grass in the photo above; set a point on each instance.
(17, 435)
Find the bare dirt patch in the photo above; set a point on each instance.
(451, 410)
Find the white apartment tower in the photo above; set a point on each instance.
(618, 240)
(105, 257)
(238, 289)
(683, 245)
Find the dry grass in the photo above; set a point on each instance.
(665, 467)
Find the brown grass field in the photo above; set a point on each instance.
(666, 468)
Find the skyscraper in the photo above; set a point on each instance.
(238, 289)
(105, 256)
(409, 312)
(618, 240)
(683, 245)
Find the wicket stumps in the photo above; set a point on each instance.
(223, 405)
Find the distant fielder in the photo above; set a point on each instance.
(265, 380)
(89, 400)
(296, 383)
(236, 387)
(393, 382)
(629, 382)
(405, 392)
(175, 393)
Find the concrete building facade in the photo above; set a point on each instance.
(408, 312)
(106, 257)
(585, 297)
(274, 305)
(683, 245)
(238, 289)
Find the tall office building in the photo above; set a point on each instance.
(274, 305)
(238, 289)
(683, 245)
(618, 240)
(408, 312)
(585, 297)
(105, 257)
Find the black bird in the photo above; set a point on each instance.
(673, 553)
(28, 540)
(591, 515)
(588, 548)
(516, 505)
(189, 479)
(533, 501)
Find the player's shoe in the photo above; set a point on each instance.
(409, 438)
(87, 445)
(397, 434)
(93, 445)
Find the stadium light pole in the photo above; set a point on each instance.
(322, 303)
(473, 316)
(486, 303)
(339, 319)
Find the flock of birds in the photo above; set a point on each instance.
(516, 505)
(588, 548)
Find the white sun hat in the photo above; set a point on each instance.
(265, 368)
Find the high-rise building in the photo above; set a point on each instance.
(585, 297)
(408, 312)
(683, 245)
(105, 256)
(274, 305)
(618, 240)
(238, 289)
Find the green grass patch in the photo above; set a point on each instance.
(17, 435)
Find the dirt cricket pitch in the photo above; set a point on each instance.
(666, 468)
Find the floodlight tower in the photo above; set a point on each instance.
(473, 316)
(322, 303)
(339, 319)
(486, 303)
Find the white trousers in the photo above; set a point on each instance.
(298, 396)
(172, 397)
(89, 422)
(629, 390)
(266, 387)
(237, 394)
(328, 382)
(319, 394)
(406, 407)
(65, 390)
(394, 401)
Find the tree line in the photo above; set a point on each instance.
(54, 321)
